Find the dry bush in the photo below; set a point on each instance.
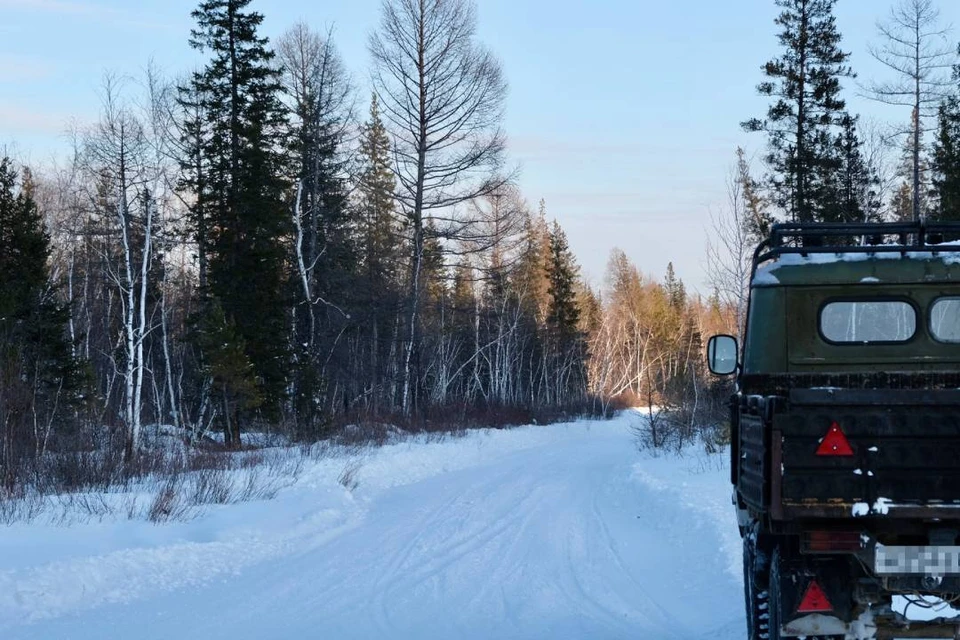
(168, 504)
(91, 506)
(210, 486)
(273, 473)
(348, 476)
(625, 400)
(75, 485)
(21, 508)
(365, 433)
(257, 485)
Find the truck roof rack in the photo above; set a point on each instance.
(863, 237)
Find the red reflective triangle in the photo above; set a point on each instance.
(814, 600)
(835, 443)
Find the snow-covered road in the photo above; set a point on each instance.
(542, 532)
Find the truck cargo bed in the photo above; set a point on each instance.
(905, 459)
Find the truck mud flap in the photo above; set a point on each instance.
(812, 596)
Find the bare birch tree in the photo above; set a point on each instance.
(915, 48)
(127, 177)
(116, 150)
(735, 231)
(442, 96)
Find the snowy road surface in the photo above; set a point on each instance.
(561, 532)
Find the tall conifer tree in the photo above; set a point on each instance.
(675, 289)
(319, 95)
(380, 265)
(240, 185)
(566, 347)
(564, 316)
(378, 219)
(804, 83)
(854, 184)
(946, 162)
(36, 365)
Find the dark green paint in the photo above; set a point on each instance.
(782, 329)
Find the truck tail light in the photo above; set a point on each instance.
(832, 542)
(814, 600)
(835, 443)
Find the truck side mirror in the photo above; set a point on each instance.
(722, 355)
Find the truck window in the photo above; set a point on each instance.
(863, 322)
(945, 320)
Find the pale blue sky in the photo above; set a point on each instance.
(623, 114)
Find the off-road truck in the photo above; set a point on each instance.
(845, 431)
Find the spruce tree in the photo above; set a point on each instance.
(564, 316)
(241, 185)
(675, 289)
(946, 162)
(529, 279)
(194, 125)
(317, 88)
(591, 309)
(379, 228)
(24, 250)
(379, 256)
(227, 366)
(434, 270)
(318, 94)
(804, 83)
(854, 183)
(901, 202)
(532, 272)
(37, 371)
(566, 348)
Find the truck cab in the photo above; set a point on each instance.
(845, 431)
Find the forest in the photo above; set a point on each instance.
(260, 246)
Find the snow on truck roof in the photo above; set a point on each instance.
(869, 253)
(939, 263)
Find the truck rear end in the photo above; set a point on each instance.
(846, 434)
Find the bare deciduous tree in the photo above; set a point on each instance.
(877, 150)
(117, 151)
(735, 232)
(321, 100)
(442, 96)
(916, 50)
(125, 180)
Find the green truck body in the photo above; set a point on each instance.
(845, 431)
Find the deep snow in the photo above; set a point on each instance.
(560, 532)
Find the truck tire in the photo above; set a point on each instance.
(774, 591)
(755, 591)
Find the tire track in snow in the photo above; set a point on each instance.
(401, 557)
(668, 621)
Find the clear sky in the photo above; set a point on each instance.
(623, 114)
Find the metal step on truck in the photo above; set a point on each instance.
(845, 432)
